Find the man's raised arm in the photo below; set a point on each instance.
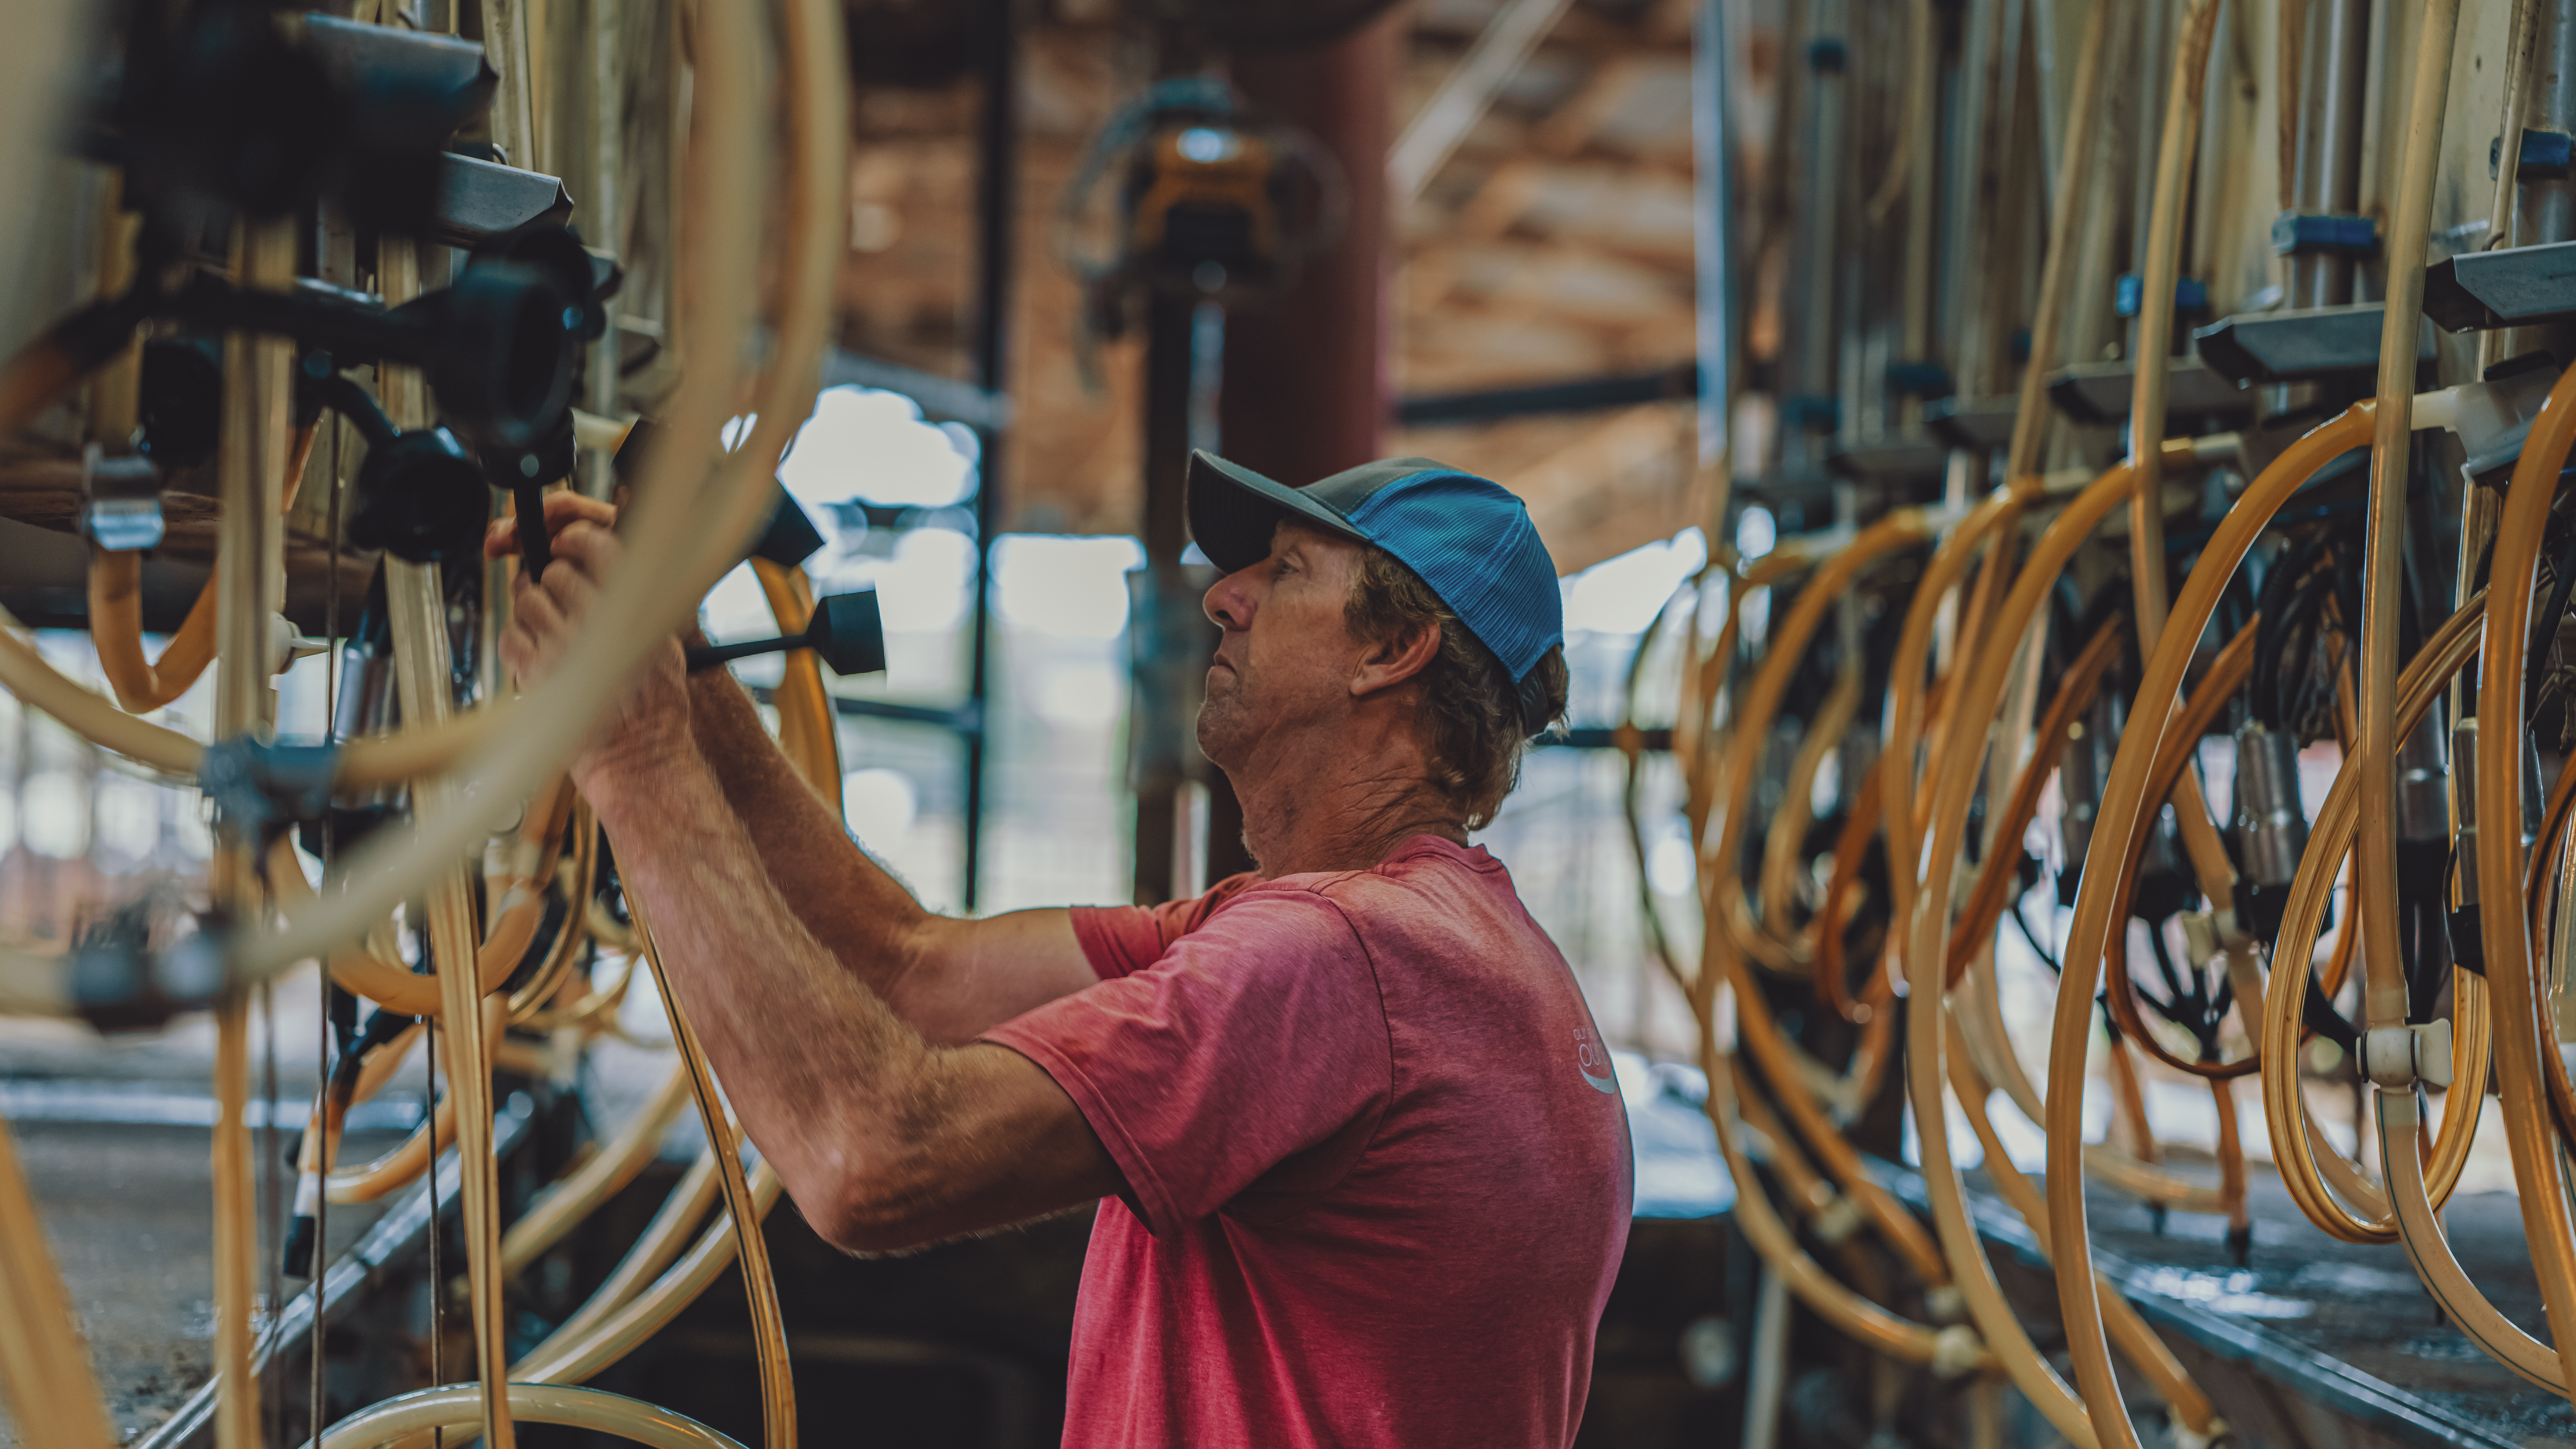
(950, 979)
(886, 1140)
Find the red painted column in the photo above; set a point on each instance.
(1307, 389)
(1306, 374)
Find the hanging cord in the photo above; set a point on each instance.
(272, 1407)
(319, 1412)
(437, 1274)
(2524, 1050)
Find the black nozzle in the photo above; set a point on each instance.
(182, 400)
(421, 497)
(300, 1236)
(507, 343)
(587, 280)
(791, 537)
(526, 473)
(848, 632)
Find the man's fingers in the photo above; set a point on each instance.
(570, 592)
(564, 508)
(589, 545)
(539, 612)
(518, 648)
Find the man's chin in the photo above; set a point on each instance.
(1214, 737)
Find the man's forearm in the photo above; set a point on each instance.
(950, 979)
(861, 914)
(753, 980)
(884, 1139)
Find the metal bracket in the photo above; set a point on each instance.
(2507, 287)
(2308, 344)
(2098, 392)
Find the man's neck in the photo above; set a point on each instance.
(1338, 809)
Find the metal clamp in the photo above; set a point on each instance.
(2312, 232)
(2129, 295)
(120, 501)
(255, 785)
(2545, 154)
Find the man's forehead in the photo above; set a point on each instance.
(1307, 538)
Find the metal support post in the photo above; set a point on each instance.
(997, 180)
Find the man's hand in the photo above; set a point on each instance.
(648, 727)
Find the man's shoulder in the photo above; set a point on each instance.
(1424, 871)
(1425, 886)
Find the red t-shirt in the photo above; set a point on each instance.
(1378, 1167)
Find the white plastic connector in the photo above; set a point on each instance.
(2231, 935)
(282, 640)
(1946, 1304)
(2199, 938)
(563, 1057)
(1837, 1220)
(2184, 1438)
(2401, 1056)
(2482, 413)
(1957, 1350)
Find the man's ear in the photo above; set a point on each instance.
(1391, 661)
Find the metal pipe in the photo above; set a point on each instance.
(1714, 227)
(2547, 209)
(2335, 57)
(1956, 301)
(1762, 1391)
(1164, 609)
(996, 214)
(1819, 197)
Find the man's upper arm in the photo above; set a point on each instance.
(1255, 1038)
(1010, 1145)
(968, 976)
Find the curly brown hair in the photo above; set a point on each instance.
(1472, 722)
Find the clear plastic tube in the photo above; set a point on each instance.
(2523, 1036)
(456, 1406)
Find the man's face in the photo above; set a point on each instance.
(1286, 659)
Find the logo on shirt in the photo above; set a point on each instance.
(1594, 1061)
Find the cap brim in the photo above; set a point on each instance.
(1234, 511)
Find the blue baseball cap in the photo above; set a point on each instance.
(1469, 538)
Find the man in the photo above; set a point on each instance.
(1367, 1171)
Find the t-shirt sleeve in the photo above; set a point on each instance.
(1122, 940)
(1255, 1037)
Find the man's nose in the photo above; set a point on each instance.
(1228, 601)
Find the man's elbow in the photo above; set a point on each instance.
(884, 1210)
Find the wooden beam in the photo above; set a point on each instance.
(1467, 94)
(1575, 123)
(1622, 483)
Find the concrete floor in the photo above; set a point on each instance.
(128, 1210)
(128, 1205)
